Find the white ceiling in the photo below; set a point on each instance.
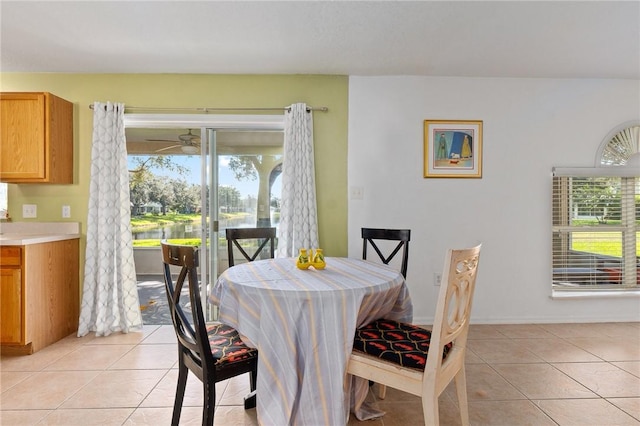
(557, 39)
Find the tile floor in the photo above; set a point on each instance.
(551, 374)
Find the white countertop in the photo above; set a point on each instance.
(25, 233)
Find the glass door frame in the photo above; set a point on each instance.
(208, 124)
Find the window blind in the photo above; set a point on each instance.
(595, 233)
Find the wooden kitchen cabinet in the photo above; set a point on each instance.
(36, 138)
(10, 295)
(39, 294)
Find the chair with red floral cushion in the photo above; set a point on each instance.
(398, 355)
(212, 352)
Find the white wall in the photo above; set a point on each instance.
(530, 125)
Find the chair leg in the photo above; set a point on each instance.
(430, 408)
(250, 400)
(180, 388)
(461, 390)
(382, 390)
(209, 403)
(253, 377)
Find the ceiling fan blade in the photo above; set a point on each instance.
(161, 140)
(167, 148)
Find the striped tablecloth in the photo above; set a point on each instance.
(303, 323)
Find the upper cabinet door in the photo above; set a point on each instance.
(36, 138)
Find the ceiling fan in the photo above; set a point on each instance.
(188, 143)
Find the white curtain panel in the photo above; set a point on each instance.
(110, 296)
(298, 212)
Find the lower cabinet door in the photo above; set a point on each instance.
(10, 306)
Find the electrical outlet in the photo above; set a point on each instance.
(437, 279)
(29, 211)
(357, 192)
(66, 212)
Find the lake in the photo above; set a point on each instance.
(191, 230)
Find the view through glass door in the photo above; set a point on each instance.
(249, 182)
(171, 197)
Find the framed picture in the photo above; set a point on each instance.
(452, 148)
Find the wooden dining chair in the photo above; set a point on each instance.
(212, 352)
(263, 235)
(401, 355)
(371, 235)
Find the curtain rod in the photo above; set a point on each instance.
(206, 109)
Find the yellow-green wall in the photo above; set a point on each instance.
(194, 90)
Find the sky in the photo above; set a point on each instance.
(225, 175)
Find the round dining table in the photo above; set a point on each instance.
(303, 323)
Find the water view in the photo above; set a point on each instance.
(192, 230)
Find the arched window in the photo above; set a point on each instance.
(621, 147)
(596, 217)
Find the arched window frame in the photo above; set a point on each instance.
(598, 250)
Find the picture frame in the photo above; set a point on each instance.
(452, 148)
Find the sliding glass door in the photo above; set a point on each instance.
(218, 172)
(245, 170)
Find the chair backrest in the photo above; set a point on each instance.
(189, 324)
(369, 235)
(451, 321)
(263, 235)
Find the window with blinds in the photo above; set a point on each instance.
(596, 232)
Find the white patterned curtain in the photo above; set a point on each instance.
(298, 213)
(110, 296)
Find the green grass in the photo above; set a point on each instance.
(604, 243)
(150, 220)
(156, 243)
